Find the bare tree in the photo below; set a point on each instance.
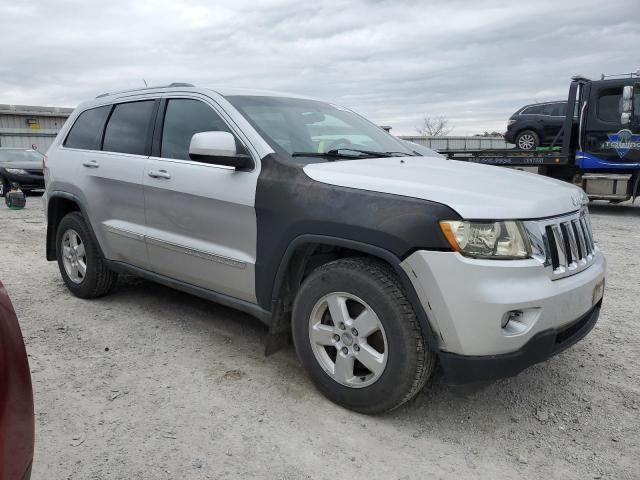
(434, 127)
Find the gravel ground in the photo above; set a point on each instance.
(150, 383)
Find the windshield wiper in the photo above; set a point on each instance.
(335, 153)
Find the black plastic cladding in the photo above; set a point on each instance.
(290, 204)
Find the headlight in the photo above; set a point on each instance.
(501, 240)
(511, 121)
(17, 171)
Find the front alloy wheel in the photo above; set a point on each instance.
(357, 335)
(348, 339)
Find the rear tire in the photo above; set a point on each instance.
(527, 140)
(387, 362)
(82, 267)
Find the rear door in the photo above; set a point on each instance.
(200, 217)
(603, 134)
(110, 177)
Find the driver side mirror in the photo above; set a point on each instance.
(218, 148)
(627, 105)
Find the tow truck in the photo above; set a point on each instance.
(597, 148)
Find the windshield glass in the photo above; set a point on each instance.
(299, 126)
(19, 156)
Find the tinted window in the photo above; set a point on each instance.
(182, 120)
(86, 132)
(533, 110)
(609, 105)
(560, 109)
(555, 109)
(127, 128)
(548, 109)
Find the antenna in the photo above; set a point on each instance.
(145, 82)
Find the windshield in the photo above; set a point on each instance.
(19, 156)
(298, 126)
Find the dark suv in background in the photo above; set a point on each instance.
(536, 124)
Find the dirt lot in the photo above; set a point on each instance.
(151, 383)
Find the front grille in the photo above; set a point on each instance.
(570, 242)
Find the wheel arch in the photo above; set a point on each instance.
(60, 204)
(307, 252)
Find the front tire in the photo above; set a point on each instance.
(358, 337)
(82, 267)
(527, 140)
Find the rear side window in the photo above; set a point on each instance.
(87, 129)
(609, 105)
(127, 128)
(184, 118)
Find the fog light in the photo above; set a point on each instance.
(513, 315)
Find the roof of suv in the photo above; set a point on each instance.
(189, 87)
(109, 97)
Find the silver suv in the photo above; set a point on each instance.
(376, 260)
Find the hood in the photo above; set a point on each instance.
(474, 191)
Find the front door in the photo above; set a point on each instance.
(201, 223)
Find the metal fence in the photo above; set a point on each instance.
(460, 144)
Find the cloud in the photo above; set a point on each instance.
(393, 61)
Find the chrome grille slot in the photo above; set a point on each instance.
(568, 242)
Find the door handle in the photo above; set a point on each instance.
(159, 174)
(91, 164)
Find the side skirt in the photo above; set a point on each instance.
(252, 309)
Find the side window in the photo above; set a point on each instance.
(127, 128)
(556, 109)
(87, 129)
(561, 109)
(609, 101)
(533, 110)
(548, 109)
(183, 118)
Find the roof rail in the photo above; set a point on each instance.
(171, 85)
(630, 75)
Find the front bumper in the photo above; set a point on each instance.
(510, 136)
(467, 369)
(27, 182)
(466, 301)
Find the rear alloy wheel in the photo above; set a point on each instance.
(74, 256)
(83, 269)
(357, 335)
(527, 140)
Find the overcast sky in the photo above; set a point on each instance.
(474, 62)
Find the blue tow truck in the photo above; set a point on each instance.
(598, 148)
